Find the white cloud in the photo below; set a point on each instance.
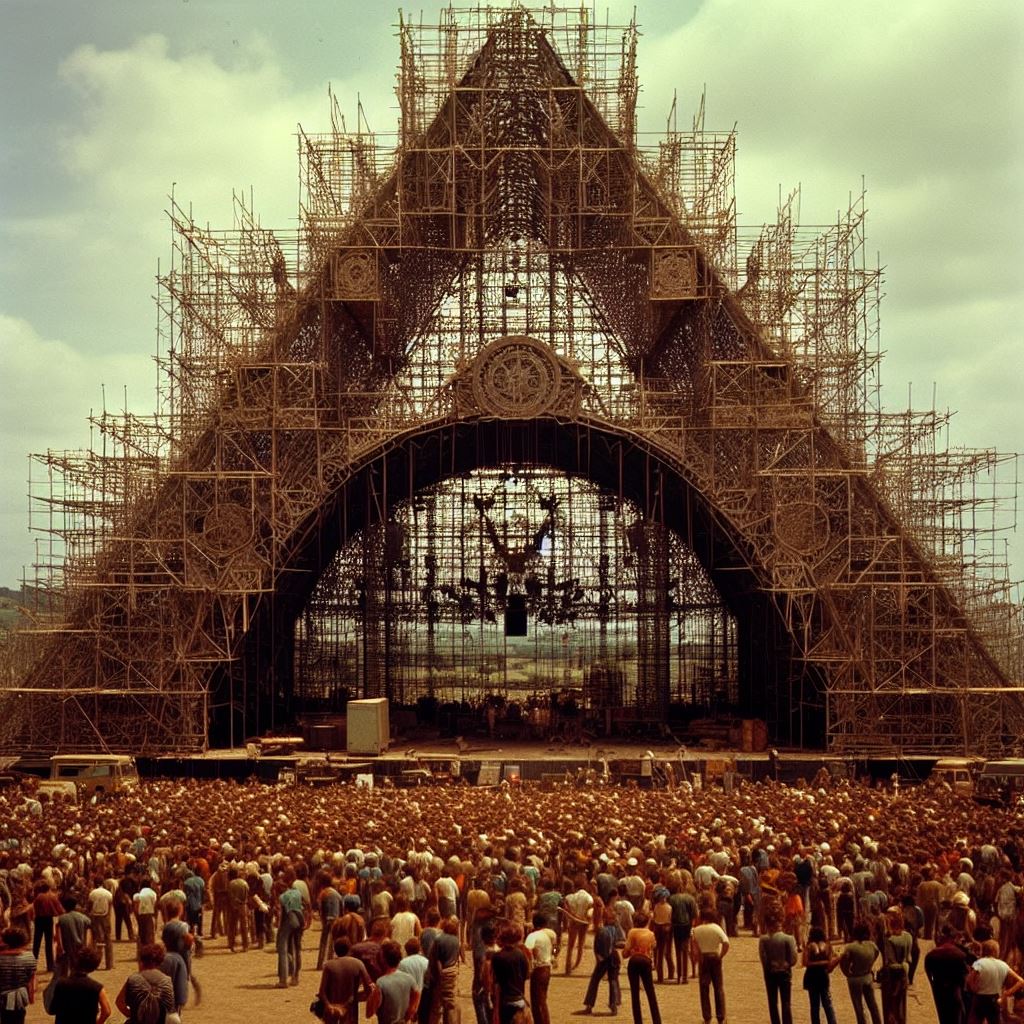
(138, 119)
(47, 391)
(150, 118)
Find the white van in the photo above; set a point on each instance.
(1001, 782)
(95, 773)
(957, 772)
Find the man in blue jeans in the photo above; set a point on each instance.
(857, 962)
(606, 952)
(289, 938)
(777, 951)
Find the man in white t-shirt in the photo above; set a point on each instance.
(541, 944)
(447, 893)
(708, 946)
(99, 903)
(991, 980)
(579, 907)
(404, 924)
(144, 902)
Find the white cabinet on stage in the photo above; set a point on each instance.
(368, 729)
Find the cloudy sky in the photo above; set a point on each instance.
(105, 105)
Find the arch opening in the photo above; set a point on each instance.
(755, 672)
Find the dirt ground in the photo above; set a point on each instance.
(240, 988)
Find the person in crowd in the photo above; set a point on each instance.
(79, 998)
(946, 968)
(857, 963)
(607, 943)
(148, 991)
(777, 952)
(17, 975)
(394, 997)
(818, 964)
(709, 945)
(344, 983)
(992, 982)
(541, 946)
(46, 908)
(892, 978)
(638, 953)
(510, 968)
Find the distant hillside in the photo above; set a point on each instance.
(11, 601)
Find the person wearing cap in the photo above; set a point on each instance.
(636, 887)
(961, 917)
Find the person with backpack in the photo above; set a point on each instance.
(147, 996)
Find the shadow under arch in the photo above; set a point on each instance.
(775, 683)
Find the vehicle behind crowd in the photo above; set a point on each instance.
(1001, 782)
(91, 774)
(958, 773)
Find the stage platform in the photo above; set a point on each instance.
(480, 762)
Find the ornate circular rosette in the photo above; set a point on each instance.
(516, 378)
(226, 528)
(802, 527)
(357, 275)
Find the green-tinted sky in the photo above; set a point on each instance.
(105, 104)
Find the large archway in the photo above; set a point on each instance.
(772, 680)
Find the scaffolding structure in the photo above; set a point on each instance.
(519, 366)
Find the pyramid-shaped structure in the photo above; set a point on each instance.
(435, 324)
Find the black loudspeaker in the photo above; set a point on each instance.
(515, 615)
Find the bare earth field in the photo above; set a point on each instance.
(240, 988)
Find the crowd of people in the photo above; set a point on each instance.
(407, 888)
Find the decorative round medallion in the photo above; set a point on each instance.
(516, 378)
(226, 528)
(674, 274)
(357, 275)
(802, 526)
